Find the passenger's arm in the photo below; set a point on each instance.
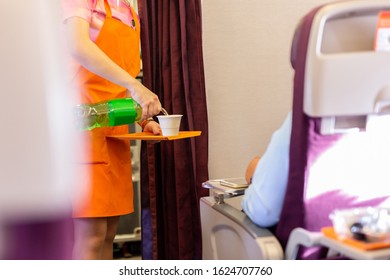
(250, 170)
(264, 197)
(89, 55)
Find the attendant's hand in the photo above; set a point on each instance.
(153, 127)
(151, 105)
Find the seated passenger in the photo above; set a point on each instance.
(268, 175)
(263, 200)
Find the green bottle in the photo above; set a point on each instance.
(107, 113)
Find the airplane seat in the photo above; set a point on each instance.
(339, 149)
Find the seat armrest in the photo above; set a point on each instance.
(301, 237)
(227, 233)
(242, 220)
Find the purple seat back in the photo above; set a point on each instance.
(328, 172)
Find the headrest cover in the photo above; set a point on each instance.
(294, 44)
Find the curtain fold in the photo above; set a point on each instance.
(172, 172)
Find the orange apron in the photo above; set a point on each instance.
(106, 162)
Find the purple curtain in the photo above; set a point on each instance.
(173, 171)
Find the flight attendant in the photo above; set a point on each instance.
(103, 38)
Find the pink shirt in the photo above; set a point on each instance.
(93, 11)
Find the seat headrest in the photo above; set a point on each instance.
(344, 75)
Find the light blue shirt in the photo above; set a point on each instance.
(264, 197)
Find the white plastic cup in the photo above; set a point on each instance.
(169, 124)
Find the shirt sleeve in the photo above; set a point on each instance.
(264, 197)
(79, 8)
